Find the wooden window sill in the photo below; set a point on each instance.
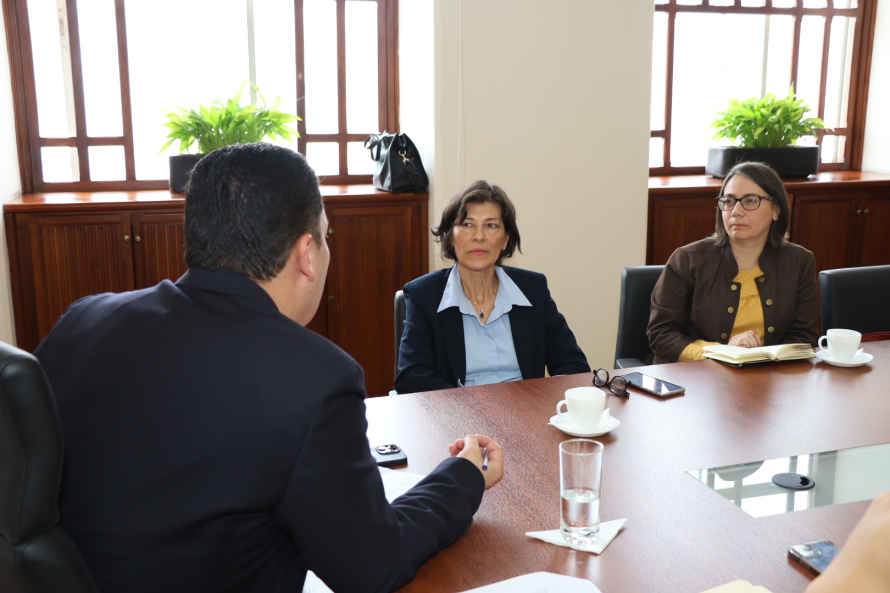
(660, 185)
(161, 199)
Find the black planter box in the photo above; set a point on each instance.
(181, 166)
(788, 161)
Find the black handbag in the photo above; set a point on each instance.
(399, 169)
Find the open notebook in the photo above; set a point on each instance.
(738, 356)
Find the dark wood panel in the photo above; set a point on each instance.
(678, 222)
(826, 225)
(380, 243)
(73, 257)
(369, 264)
(158, 247)
(875, 247)
(680, 536)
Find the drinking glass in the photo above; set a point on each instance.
(580, 470)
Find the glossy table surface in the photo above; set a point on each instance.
(680, 535)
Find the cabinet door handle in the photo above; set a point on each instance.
(330, 232)
(138, 238)
(865, 211)
(127, 238)
(859, 211)
(331, 299)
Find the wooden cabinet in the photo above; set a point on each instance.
(842, 217)
(66, 246)
(59, 257)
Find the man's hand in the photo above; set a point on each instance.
(470, 447)
(746, 340)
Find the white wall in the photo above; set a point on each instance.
(417, 82)
(10, 182)
(876, 152)
(551, 101)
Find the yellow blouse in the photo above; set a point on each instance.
(749, 316)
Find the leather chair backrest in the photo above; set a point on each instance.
(399, 317)
(36, 555)
(637, 283)
(856, 298)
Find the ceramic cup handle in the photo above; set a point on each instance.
(824, 346)
(563, 417)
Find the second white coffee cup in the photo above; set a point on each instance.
(842, 344)
(585, 407)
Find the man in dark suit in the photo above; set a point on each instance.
(215, 444)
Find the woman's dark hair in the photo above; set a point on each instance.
(478, 192)
(245, 207)
(764, 176)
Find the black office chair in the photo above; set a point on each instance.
(637, 283)
(856, 298)
(36, 555)
(399, 324)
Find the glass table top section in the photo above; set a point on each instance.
(846, 475)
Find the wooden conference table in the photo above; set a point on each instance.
(680, 535)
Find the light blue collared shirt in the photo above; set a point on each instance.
(491, 354)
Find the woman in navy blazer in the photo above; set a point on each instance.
(479, 322)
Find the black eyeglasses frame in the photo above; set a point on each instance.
(760, 199)
(617, 385)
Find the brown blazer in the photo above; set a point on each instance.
(696, 299)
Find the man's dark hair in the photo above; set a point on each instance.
(768, 180)
(245, 207)
(478, 192)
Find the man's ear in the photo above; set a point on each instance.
(304, 256)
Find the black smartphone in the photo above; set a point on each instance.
(814, 556)
(389, 455)
(652, 385)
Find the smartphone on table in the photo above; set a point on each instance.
(653, 386)
(389, 455)
(814, 556)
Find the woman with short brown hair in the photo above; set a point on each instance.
(479, 322)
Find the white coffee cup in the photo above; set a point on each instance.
(842, 344)
(585, 407)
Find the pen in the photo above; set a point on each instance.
(485, 459)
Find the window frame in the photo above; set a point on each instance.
(29, 141)
(859, 73)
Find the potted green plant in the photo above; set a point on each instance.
(221, 124)
(768, 130)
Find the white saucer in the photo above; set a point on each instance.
(860, 360)
(578, 432)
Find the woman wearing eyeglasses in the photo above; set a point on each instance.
(743, 286)
(479, 322)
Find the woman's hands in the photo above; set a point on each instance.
(470, 447)
(749, 339)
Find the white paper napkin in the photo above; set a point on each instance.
(606, 534)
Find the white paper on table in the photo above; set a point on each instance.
(395, 484)
(539, 582)
(739, 586)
